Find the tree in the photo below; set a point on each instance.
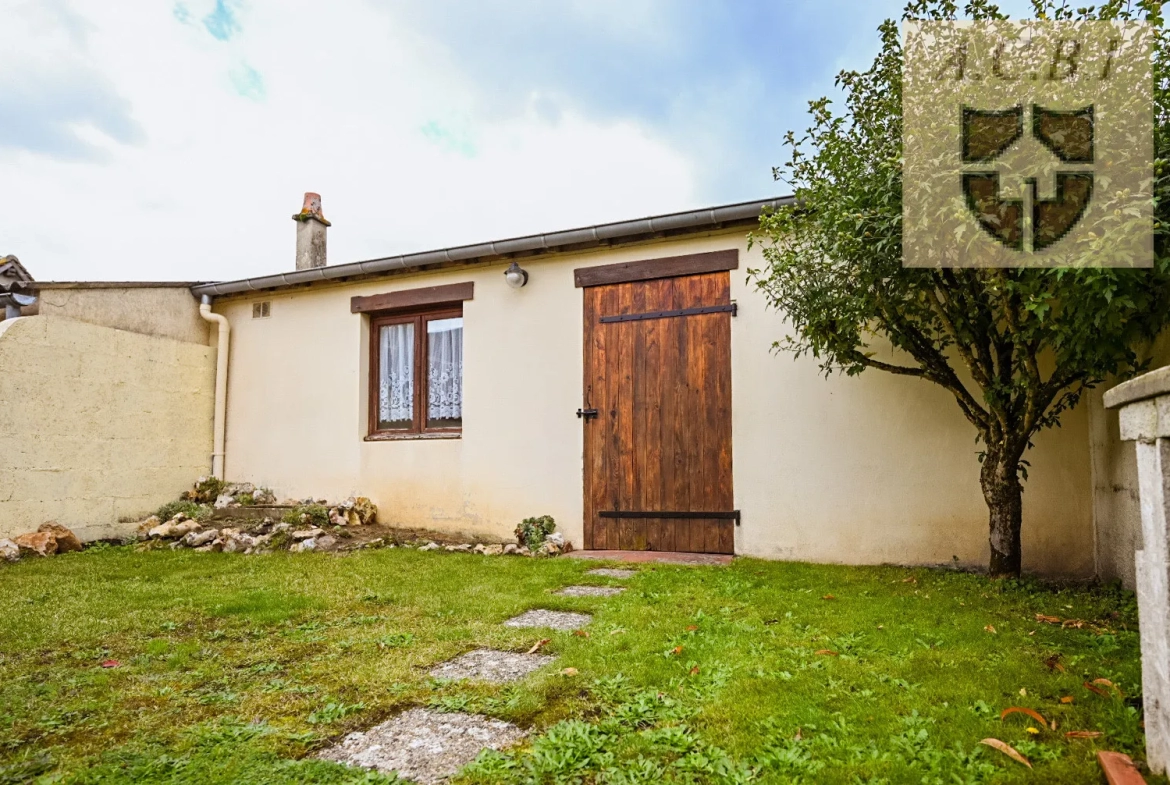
(1015, 347)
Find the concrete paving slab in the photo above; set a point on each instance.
(590, 591)
(609, 572)
(557, 620)
(424, 746)
(490, 665)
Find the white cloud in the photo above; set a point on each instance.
(345, 92)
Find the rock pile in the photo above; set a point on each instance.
(49, 539)
(554, 545)
(262, 537)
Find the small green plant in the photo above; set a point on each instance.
(332, 712)
(317, 515)
(246, 499)
(208, 489)
(395, 640)
(169, 510)
(531, 532)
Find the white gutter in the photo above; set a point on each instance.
(690, 221)
(221, 373)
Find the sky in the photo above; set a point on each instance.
(164, 140)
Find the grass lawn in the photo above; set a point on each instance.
(235, 669)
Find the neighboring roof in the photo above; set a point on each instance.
(10, 265)
(669, 225)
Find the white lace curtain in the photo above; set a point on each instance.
(396, 382)
(445, 369)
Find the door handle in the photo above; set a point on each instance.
(585, 414)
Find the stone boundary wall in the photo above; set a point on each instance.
(98, 425)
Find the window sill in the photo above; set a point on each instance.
(411, 437)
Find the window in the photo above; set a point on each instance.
(416, 372)
(261, 310)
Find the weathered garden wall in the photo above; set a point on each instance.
(97, 424)
(1117, 513)
(167, 310)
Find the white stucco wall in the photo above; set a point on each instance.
(97, 426)
(857, 470)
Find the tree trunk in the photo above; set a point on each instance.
(1004, 496)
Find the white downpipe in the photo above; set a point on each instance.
(221, 374)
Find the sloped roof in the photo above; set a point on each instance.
(10, 266)
(658, 226)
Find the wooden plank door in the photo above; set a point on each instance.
(658, 372)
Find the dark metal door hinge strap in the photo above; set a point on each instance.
(733, 309)
(728, 515)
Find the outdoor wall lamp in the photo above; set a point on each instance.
(515, 275)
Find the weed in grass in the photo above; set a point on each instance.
(395, 640)
(332, 712)
(25, 767)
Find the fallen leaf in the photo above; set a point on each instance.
(1074, 623)
(569, 672)
(798, 737)
(1033, 731)
(111, 664)
(990, 629)
(581, 633)
(1053, 663)
(1047, 619)
(1083, 734)
(1067, 699)
(772, 621)
(540, 644)
(692, 627)
(676, 650)
(695, 670)
(1006, 749)
(911, 579)
(1024, 691)
(1024, 710)
(1107, 683)
(617, 632)
(1098, 690)
(828, 652)
(828, 597)
(881, 626)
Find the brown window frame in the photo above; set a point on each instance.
(419, 318)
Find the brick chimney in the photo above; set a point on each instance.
(311, 228)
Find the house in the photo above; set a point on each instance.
(15, 283)
(619, 377)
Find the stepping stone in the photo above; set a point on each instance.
(497, 667)
(424, 746)
(609, 572)
(557, 620)
(591, 591)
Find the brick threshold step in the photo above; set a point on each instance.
(660, 557)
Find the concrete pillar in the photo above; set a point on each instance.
(1145, 419)
(311, 228)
